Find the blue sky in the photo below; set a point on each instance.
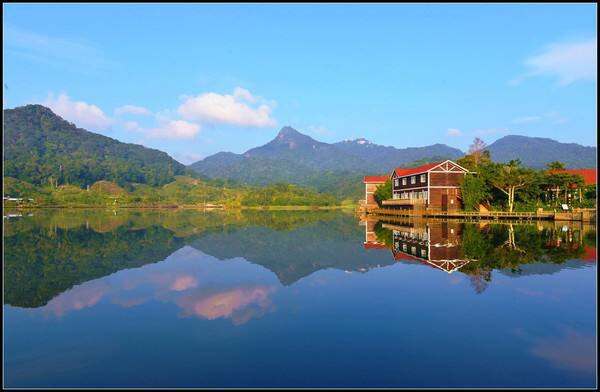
(196, 79)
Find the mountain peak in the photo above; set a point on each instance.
(288, 131)
(292, 138)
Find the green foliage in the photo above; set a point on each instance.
(286, 194)
(383, 235)
(474, 190)
(43, 149)
(383, 192)
(514, 188)
(556, 165)
(184, 191)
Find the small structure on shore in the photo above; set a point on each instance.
(371, 184)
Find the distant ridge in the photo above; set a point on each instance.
(298, 158)
(537, 152)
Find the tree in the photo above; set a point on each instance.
(477, 149)
(383, 192)
(556, 165)
(558, 182)
(510, 178)
(474, 189)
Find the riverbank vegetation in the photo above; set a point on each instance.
(511, 187)
(183, 191)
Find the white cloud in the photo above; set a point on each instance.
(132, 109)
(228, 109)
(131, 126)
(80, 113)
(569, 62)
(241, 93)
(175, 129)
(454, 132)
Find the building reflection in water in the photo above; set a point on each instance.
(436, 244)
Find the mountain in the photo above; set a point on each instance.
(336, 168)
(40, 146)
(385, 158)
(293, 146)
(536, 152)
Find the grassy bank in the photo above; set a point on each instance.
(184, 192)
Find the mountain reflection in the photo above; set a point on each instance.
(198, 285)
(477, 249)
(216, 265)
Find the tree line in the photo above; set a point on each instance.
(512, 187)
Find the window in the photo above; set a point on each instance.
(423, 177)
(404, 181)
(404, 247)
(396, 182)
(413, 179)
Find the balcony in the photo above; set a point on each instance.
(405, 202)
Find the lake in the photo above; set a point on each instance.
(188, 298)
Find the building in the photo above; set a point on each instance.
(371, 184)
(588, 175)
(589, 178)
(434, 187)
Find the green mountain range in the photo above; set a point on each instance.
(339, 167)
(41, 147)
(537, 152)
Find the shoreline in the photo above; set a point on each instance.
(186, 207)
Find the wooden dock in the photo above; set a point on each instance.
(487, 215)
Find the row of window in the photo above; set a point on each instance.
(412, 235)
(413, 250)
(413, 195)
(413, 180)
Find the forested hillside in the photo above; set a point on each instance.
(42, 148)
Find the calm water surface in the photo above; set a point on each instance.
(295, 299)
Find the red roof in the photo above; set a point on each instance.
(406, 171)
(589, 175)
(399, 255)
(376, 179)
(374, 245)
(589, 253)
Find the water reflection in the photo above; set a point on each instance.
(477, 249)
(156, 298)
(198, 285)
(56, 250)
(53, 251)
